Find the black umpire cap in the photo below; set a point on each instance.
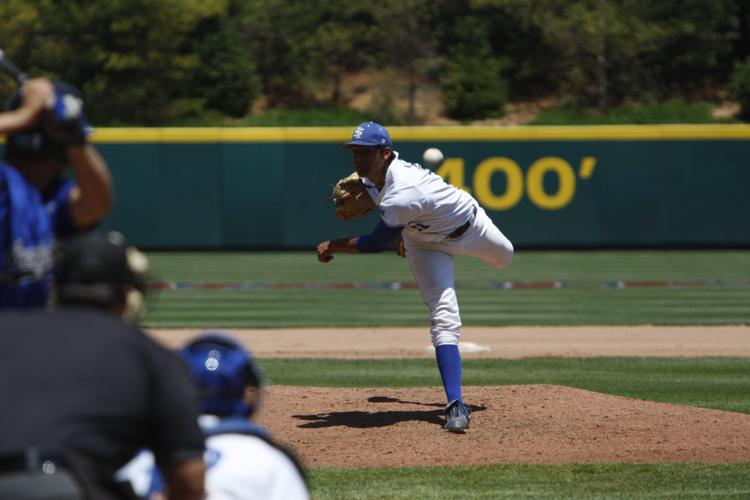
(96, 269)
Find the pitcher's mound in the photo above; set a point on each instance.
(548, 424)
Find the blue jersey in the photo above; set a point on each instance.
(56, 199)
(28, 226)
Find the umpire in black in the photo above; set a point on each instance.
(83, 391)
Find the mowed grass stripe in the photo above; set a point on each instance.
(554, 307)
(585, 302)
(721, 383)
(515, 297)
(589, 481)
(532, 265)
(291, 308)
(266, 313)
(710, 382)
(575, 481)
(273, 267)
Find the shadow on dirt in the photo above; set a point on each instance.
(365, 419)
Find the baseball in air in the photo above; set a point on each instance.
(432, 157)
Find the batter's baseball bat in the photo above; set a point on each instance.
(10, 69)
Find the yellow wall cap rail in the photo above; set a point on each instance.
(435, 133)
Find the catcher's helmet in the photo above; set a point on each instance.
(97, 269)
(222, 369)
(36, 142)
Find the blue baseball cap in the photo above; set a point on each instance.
(222, 368)
(370, 134)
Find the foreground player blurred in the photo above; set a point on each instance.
(243, 462)
(90, 390)
(46, 131)
(436, 221)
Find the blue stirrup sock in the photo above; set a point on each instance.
(449, 364)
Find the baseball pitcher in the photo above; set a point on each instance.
(436, 221)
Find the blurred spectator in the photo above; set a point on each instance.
(46, 131)
(85, 391)
(242, 461)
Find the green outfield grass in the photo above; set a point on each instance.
(615, 481)
(586, 299)
(721, 383)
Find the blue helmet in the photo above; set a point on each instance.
(222, 369)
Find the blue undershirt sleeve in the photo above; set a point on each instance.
(380, 239)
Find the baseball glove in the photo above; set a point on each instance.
(350, 198)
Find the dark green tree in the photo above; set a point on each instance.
(472, 82)
(343, 40)
(688, 45)
(410, 45)
(272, 28)
(158, 61)
(516, 34)
(227, 76)
(604, 52)
(740, 87)
(130, 58)
(304, 50)
(22, 22)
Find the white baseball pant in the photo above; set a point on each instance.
(432, 265)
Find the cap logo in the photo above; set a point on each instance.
(358, 133)
(212, 362)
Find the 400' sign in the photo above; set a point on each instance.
(516, 183)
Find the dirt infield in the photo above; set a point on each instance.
(510, 424)
(485, 342)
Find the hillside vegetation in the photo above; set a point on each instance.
(333, 62)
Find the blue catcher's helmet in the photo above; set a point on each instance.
(222, 369)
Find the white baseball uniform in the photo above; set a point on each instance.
(239, 467)
(430, 210)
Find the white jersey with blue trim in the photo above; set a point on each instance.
(247, 467)
(238, 467)
(421, 201)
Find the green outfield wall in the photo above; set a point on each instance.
(544, 186)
